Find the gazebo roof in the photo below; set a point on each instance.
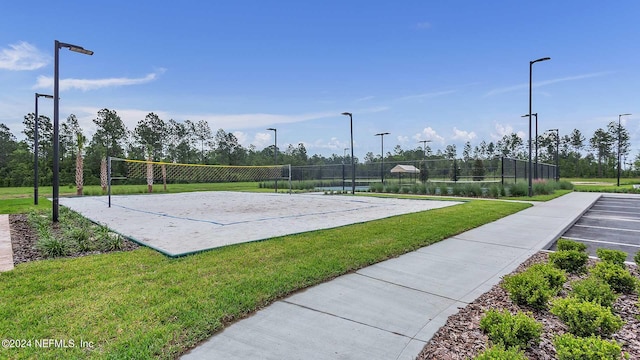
(409, 169)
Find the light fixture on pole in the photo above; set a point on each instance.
(619, 126)
(35, 149)
(353, 163)
(56, 122)
(535, 169)
(424, 148)
(530, 88)
(275, 150)
(382, 155)
(557, 153)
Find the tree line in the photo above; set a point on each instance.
(194, 142)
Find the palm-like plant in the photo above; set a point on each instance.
(79, 164)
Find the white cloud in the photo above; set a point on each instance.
(424, 96)
(366, 98)
(242, 138)
(544, 83)
(333, 144)
(130, 117)
(262, 140)
(429, 134)
(22, 56)
(402, 139)
(502, 130)
(46, 82)
(463, 135)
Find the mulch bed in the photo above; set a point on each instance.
(461, 338)
(24, 239)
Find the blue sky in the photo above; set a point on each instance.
(446, 71)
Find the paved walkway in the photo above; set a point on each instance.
(6, 252)
(391, 309)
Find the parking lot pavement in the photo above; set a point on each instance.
(613, 222)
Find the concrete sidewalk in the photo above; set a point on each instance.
(391, 309)
(6, 251)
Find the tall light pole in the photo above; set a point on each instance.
(530, 88)
(56, 122)
(382, 155)
(535, 170)
(35, 150)
(344, 156)
(424, 148)
(353, 163)
(619, 126)
(424, 152)
(275, 150)
(557, 153)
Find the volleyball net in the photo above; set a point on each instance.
(163, 173)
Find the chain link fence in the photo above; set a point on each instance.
(497, 170)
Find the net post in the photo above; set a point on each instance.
(109, 179)
(289, 179)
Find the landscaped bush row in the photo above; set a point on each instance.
(474, 189)
(587, 308)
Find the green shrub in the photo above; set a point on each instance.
(498, 352)
(569, 347)
(51, 246)
(376, 187)
(585, 318)
(535, 286)
(636, 258)
(394, 189)
(594, 290)
(569, 260)
(617, 277)
(519, 189)
(444, 190)
(554, 276)
(494, 191)
(542, 188)
(472, 190)
(528, 289)
(565, 185)
(616, 257)
(510, 330)
(456, 190)
(564, 244)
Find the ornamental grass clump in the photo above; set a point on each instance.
(569, 347)
(504, 328)
(52, 246)
(585, 318)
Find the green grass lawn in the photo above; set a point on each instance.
(22, 205)
(605, 184)
(47, 191)
(143, 305)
